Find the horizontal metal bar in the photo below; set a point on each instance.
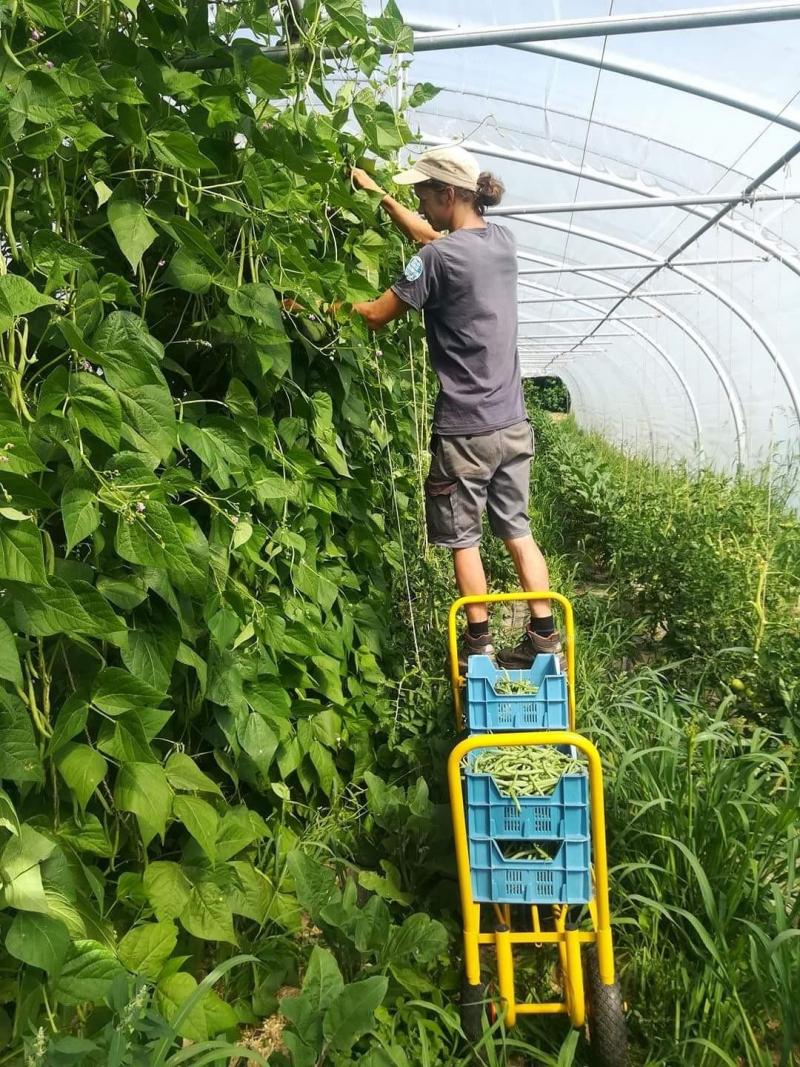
(584, 318)
(608, 26)
(647, 201)
(721, 261)
(602, 296)
(563, 336)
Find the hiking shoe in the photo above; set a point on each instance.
(531, 645)
(471, 646)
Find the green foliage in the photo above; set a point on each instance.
(710, 562)
(547, 393)
(197, 542)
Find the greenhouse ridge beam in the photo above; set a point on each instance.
(646, 72)
(606, 26)
(627, 205)
(722, 261)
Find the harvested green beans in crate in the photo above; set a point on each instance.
(531, 793)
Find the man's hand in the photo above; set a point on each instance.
(362, 180)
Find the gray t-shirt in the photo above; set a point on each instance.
(467, 285)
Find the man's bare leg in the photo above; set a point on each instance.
(531, 569)
(471, 580)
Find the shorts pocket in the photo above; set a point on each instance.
(441, 514)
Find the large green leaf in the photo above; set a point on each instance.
(127, 351)
(184, 774)
(167, 889)
(148, 416)
(267, 78)
(82, 768)
(40, 99)
(352, 1013)
(21, 557)
(19, 756)
(171, 993)
(146, 948)
(207, 913)
(116, 690)
(200, 819)
(88, 974)
(45, 13)
(19, 297)
(323, 981)
(164, 537)
(80, 514)
(10, 668)
(131, 227)
(150, 655)
(257, 301)
(143, 789)
(20, 870)
(178, 149)
(38, 941)
(63, 607)
(96, 407)
(188, 273)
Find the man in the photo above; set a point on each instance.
(465, 280)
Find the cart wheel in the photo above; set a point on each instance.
(475, 1007)
(608, 1031)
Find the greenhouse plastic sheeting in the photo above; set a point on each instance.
(708, 365)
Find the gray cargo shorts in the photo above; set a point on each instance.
(476, 473)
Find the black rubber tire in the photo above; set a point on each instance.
(608, 1031)
(473, 1009)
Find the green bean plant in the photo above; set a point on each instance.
(202, 472)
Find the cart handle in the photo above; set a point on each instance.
(456, 679)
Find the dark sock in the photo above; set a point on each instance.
(478, 629)
(544, 626)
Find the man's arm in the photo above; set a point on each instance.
(376, 313)
(411, 224)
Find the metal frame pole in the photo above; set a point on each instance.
(559, 336)
(627, 205)
(647, 72)
(603, 296)
(607, 26)
(581, 318)
(723, 261)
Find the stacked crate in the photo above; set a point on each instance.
(558, 823)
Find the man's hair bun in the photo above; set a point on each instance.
(490, 190)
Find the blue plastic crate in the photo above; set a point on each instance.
(489, 710)
(565, 879)
(561, 815)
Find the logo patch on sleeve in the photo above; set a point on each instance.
(414, 268)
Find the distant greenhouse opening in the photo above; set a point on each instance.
(549, 393)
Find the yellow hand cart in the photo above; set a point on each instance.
(590, 994)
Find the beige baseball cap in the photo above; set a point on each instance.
(449, 164)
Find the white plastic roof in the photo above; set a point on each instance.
(705, 355)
